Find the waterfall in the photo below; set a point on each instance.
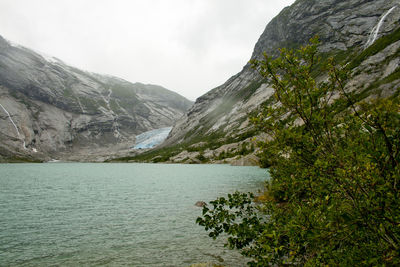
(15, 126)
(374, 33)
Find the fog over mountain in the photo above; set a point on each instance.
(187, 45)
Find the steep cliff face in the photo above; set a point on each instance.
(346, 28)
(52, 110)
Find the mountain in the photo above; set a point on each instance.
(52, 110)
(363, 33)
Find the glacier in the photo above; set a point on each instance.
(151, 138)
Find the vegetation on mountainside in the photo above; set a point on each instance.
(214, 139)
(334, 193)
(201, 143)
(376, 47)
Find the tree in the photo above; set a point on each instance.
(334, 193)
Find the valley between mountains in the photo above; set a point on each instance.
(361, 34)
(50, 110)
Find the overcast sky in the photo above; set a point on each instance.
(188, 46)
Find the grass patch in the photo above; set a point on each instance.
(245, 93)
(378, 83)
(20, 159)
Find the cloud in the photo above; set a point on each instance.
(189, 46)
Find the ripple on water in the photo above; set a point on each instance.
(113, 214)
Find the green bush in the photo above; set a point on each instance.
(334, 194)
(202, 158)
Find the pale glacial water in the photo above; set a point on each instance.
(81, 214)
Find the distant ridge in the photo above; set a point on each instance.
(62, 112)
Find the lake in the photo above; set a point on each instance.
(74, 214)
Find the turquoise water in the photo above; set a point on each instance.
(81, 214)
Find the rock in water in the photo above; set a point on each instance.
(200, 204)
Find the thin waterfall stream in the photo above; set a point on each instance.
(15, 126)
(374, 33)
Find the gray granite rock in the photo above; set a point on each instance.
(63, 112)
(342, 25)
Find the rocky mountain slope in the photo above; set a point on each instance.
(52, 110)
(363, 32)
